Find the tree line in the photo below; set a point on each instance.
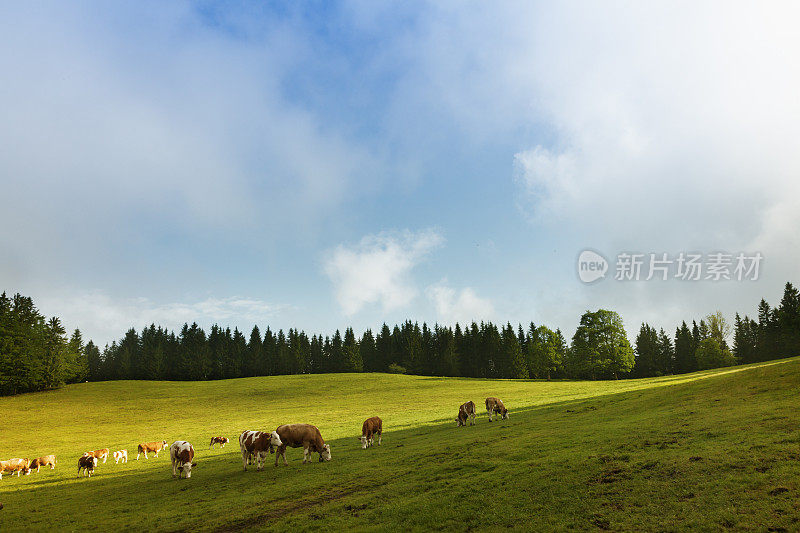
(704, 345)
(36, 354)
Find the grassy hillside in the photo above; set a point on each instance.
(716, 449)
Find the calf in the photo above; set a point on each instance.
(20, 466)
(120, 455)
(100, 454)
(466, 412)
(182, 455)
(372, 426)
(47, 460)
(305, 435)
(495, 406)
(87, 463)
(256, 444)
(152, 447)
(222, 441)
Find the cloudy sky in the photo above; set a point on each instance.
(319, 165)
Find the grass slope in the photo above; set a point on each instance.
(711, 450)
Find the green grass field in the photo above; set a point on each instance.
(712, 450)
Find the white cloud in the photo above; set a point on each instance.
(117, 126)
(104, 319)
(377, 269)
(462, 306)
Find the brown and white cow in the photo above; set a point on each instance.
(152, 447)
(47, 460)
(16, 465)
(495, 406)
(256, 444)
(182, 455)
(305, 435)
(120, 455)
(222, 441)
(466, 412)
(87, 463)
(100, 454)
(372, 426)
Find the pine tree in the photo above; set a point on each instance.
(647, 352)
(684, 350)
(352, 355)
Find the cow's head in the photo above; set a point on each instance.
(363, 440)
(325, 454)
(92, 463)
(275, 439)
(186, 468)
(163, 445)
(505, 413)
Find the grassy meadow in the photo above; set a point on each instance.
(711, 450)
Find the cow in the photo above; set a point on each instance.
(222, 441)
(152, 447)
(47, 460)
(466, 412)
(87, 463)
(372, 426)
(100, 454)
(182, 455)
(256, 444)
(20, 466)
(495, 406)
(305, 435)
(120, 455)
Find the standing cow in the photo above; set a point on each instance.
(222, 441)
(100, 454)
(47, 460)
(152, 447)
(87, 463)
(120, 455)
(305, 435)
(495, 407)
(182, 455)
(372, 426)
(17, 465)
(257, 444)
(466, 412)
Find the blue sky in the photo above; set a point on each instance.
(324, 164)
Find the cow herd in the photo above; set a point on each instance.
(254, 445)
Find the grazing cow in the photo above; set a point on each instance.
(47, 460)
(182, 455)
(100, 454)
(20, 466)
(495, 406)
(305, 435)
(466, 412)
(152, 447)
(372, 426)
(120, 455)
(222, 441)
(87, 463)
(256, 444)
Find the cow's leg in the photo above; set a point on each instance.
(259, 459)
(105, 458)
(380, 437)
(174, 468)
(490, 413)
(306, 453)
